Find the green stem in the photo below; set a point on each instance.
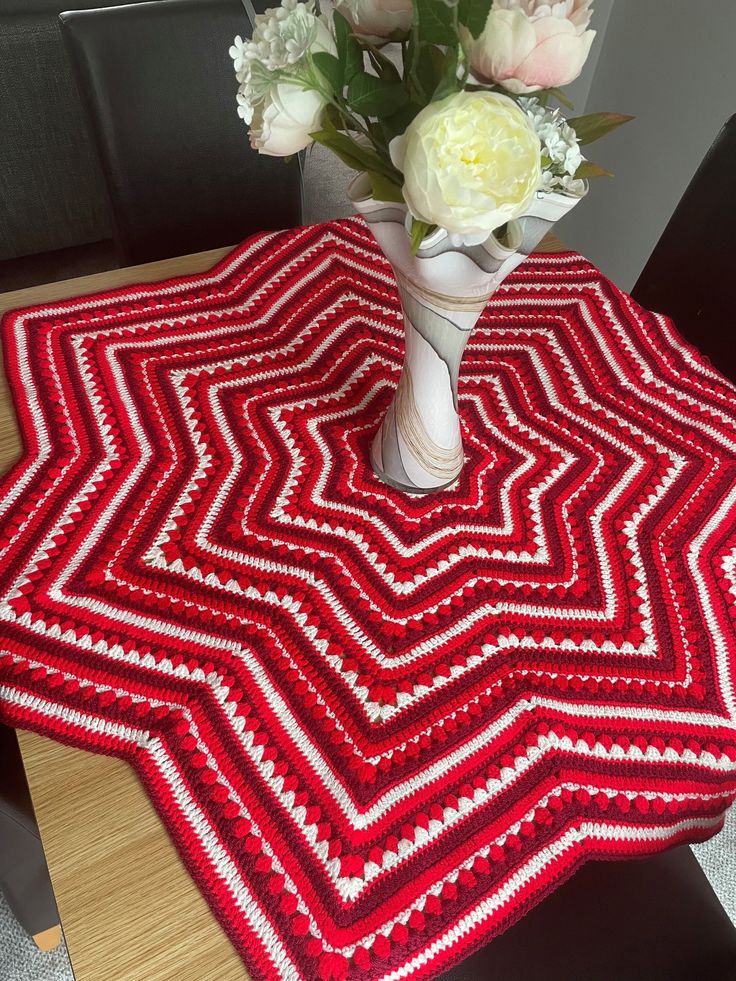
(350, 119)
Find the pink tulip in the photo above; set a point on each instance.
(529, 45)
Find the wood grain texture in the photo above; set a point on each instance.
(150, 272)
(129, 909)
(550, 244)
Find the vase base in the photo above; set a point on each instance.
(408, 488)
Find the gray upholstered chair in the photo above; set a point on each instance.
(24, 877)
(52, 193)
(159, 88)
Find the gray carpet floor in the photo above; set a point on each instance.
(717, 858)
(21, 960)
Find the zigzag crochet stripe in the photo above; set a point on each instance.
(378, 727)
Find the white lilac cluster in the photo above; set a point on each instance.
(278, 94)
(281, 38)
(561, 154)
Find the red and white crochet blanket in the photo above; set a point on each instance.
(379, 727)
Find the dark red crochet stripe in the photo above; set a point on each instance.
(351, 313)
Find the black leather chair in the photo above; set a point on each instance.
(691, 272)
(159, 89)
(655, 919)
(24, 877)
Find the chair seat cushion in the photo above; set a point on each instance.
(654, 919)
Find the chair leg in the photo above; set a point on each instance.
(24, 877)
(48, 939)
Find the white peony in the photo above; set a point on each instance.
(470, 163)
(379, 18)
(528, 45)
(276, 77)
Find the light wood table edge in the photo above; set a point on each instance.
(149, 272)
(129, 909)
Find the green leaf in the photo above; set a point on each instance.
(331, 68)
(354, 154)
(597, 124)
(436, 71)
(434, 22)
(397, 122)
(385, 189)
(350, 152)
(385, 68)
(342, 33)
(589, 169)
(371, 96)
(419, 231)
(349, 52)
(378, 135)
(473, 14)
(331, 118)
(449, 83)
(430, 68)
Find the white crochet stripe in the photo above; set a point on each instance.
(504, 609)
(123, 395)
(89, 486)
(652, 502)
(697, 364)
(221, 862)
(203, 833)
(25, 320)
(723, 660)
(506, 529)
(75, 718)
(399, 796)
(489, 908)
(332, 781)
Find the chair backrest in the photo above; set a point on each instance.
(692, 270)
(158, 85)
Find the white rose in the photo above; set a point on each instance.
(282, 122)
(470, 163)
(377, 17)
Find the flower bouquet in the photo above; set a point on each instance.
(450, 112)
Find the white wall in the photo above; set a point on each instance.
(579, 90)
(672, 64)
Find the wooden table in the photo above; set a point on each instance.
(129, 909)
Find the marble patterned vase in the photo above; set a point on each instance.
(443, 290)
